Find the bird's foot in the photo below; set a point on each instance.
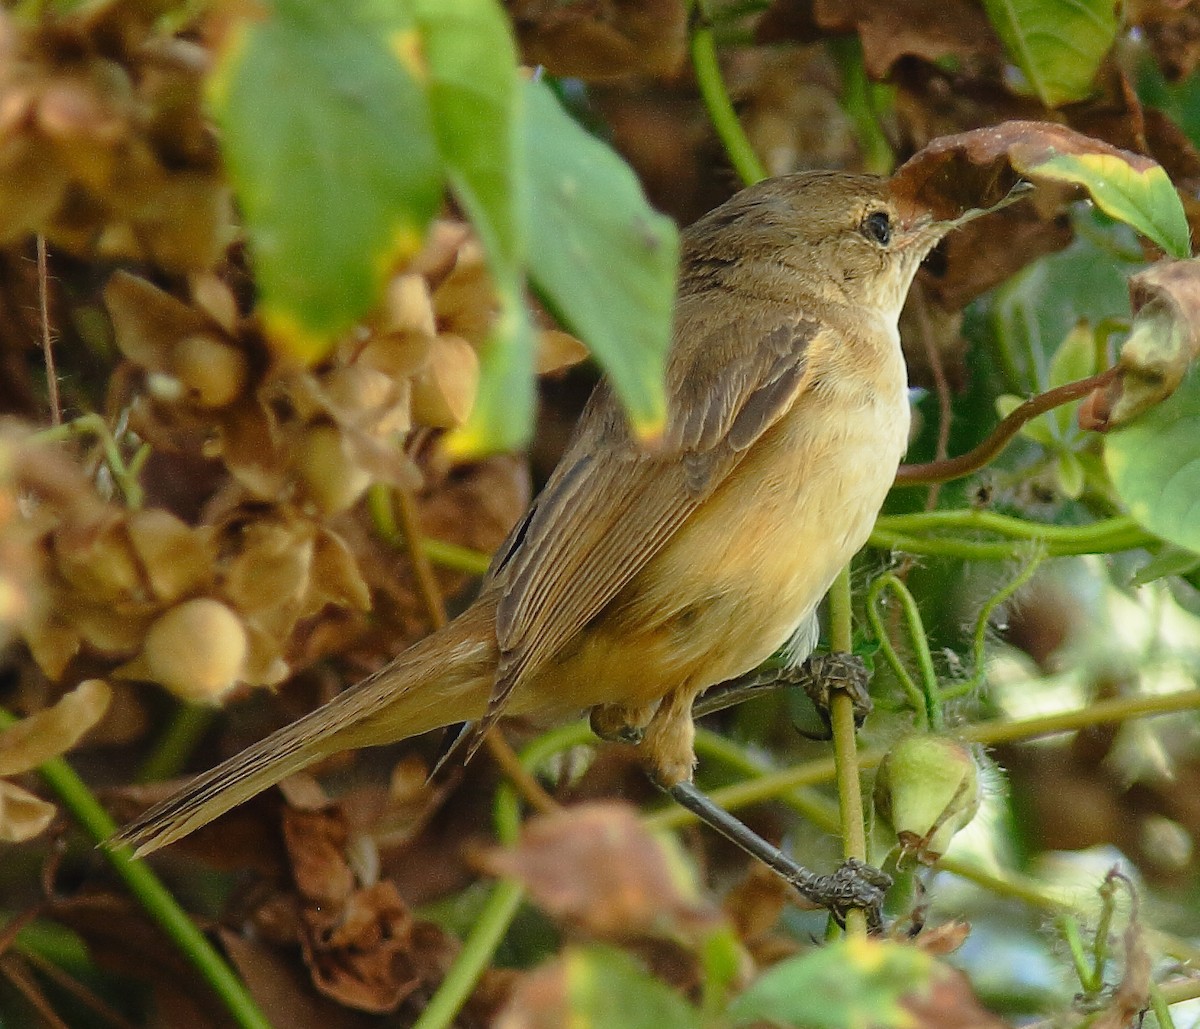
(854, 885)
(827, 673)
(819, 676)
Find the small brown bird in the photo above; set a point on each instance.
(640, 577)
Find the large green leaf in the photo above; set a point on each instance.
(601, 258)
(326, 132)
(850, 983)
(475, 96)
(1154, 463)
(476, 99)
(1058, 44)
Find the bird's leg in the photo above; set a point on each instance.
(855, 884)
(668, 751)
(818, 676)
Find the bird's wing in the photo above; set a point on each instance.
(603, 515)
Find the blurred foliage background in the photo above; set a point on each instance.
(298, 302)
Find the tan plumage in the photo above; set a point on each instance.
(640, 577)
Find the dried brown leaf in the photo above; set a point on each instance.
(595, 867)
(978, 168)
(888, 29)
(49, 733)
(22, 814)
(602, 39)
(443, 390)
(1162, 344)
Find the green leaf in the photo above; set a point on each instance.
(849, 983)
(1154, 463)
(601, 258)
(1058, 44)
(502, 418)
(1168, 561)
(1068, 470)
(1035, 310)
(1040, 430)
(606, 988)
(476, 99)
(326, 133)
(1074, 359)
(1144, 199)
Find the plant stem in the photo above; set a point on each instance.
(150, 892)
(973, 460)
(845, 743)
(1101, 712)
(927, 699)
(716, 101)
(1085, 540)
(188, 725)
(501, 906)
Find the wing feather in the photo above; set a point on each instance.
(607, 511)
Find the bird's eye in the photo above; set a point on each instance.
(877, 227)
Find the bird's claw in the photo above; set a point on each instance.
(822, 674)
(855, 885)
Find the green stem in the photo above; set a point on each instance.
(505, 899)
(720, 108)
(845, 743)
(91, 424)
(1084, 541)
(150, 892)
(979, 643)
(858, 101)
(454, 557)
(969, 519)
(810, 773)
(1160, 1007)
(188, 725)
(928, 699)
(1068, 925)
(382, 509)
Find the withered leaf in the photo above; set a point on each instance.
(602, 40)
(1163, 342)
(929, 29)
(46, 734)
(979, 168)
(595, 866)
(22, 814)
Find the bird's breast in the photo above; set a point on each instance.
(758, 556)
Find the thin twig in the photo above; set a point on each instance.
(940, 384)
(990, 733)
(973, 460)
(78, 990)
(47, 344)
(435, 608)
(427, 587)
(14, 970)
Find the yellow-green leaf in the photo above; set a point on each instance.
(1142, 198)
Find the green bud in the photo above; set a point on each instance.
(927, 789)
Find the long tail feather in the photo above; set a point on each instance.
(445, 678)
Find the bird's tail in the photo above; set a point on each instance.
(445, 678)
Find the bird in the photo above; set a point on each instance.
(643, 574)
